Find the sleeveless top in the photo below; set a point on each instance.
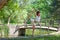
(37, 18)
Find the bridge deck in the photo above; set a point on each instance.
(38, 27)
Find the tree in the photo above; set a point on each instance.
(45, 6)
(8, 11)
(17, 10)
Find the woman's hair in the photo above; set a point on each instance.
(37, 12)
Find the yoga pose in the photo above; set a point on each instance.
(37, 19)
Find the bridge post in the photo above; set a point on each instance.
(59, 25)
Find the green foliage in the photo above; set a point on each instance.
(28, 21)
(44, 6)
(16, 11)
(4, 29)
(10, 10)
(53, 37)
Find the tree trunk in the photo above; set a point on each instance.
(8, 20)
(2, 3)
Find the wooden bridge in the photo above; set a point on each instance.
(37, 27)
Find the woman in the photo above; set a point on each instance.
(37, 19)
(37, 16)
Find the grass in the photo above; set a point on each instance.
(53, 37)
(48, 38)
(4, 29)
(37, 32)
